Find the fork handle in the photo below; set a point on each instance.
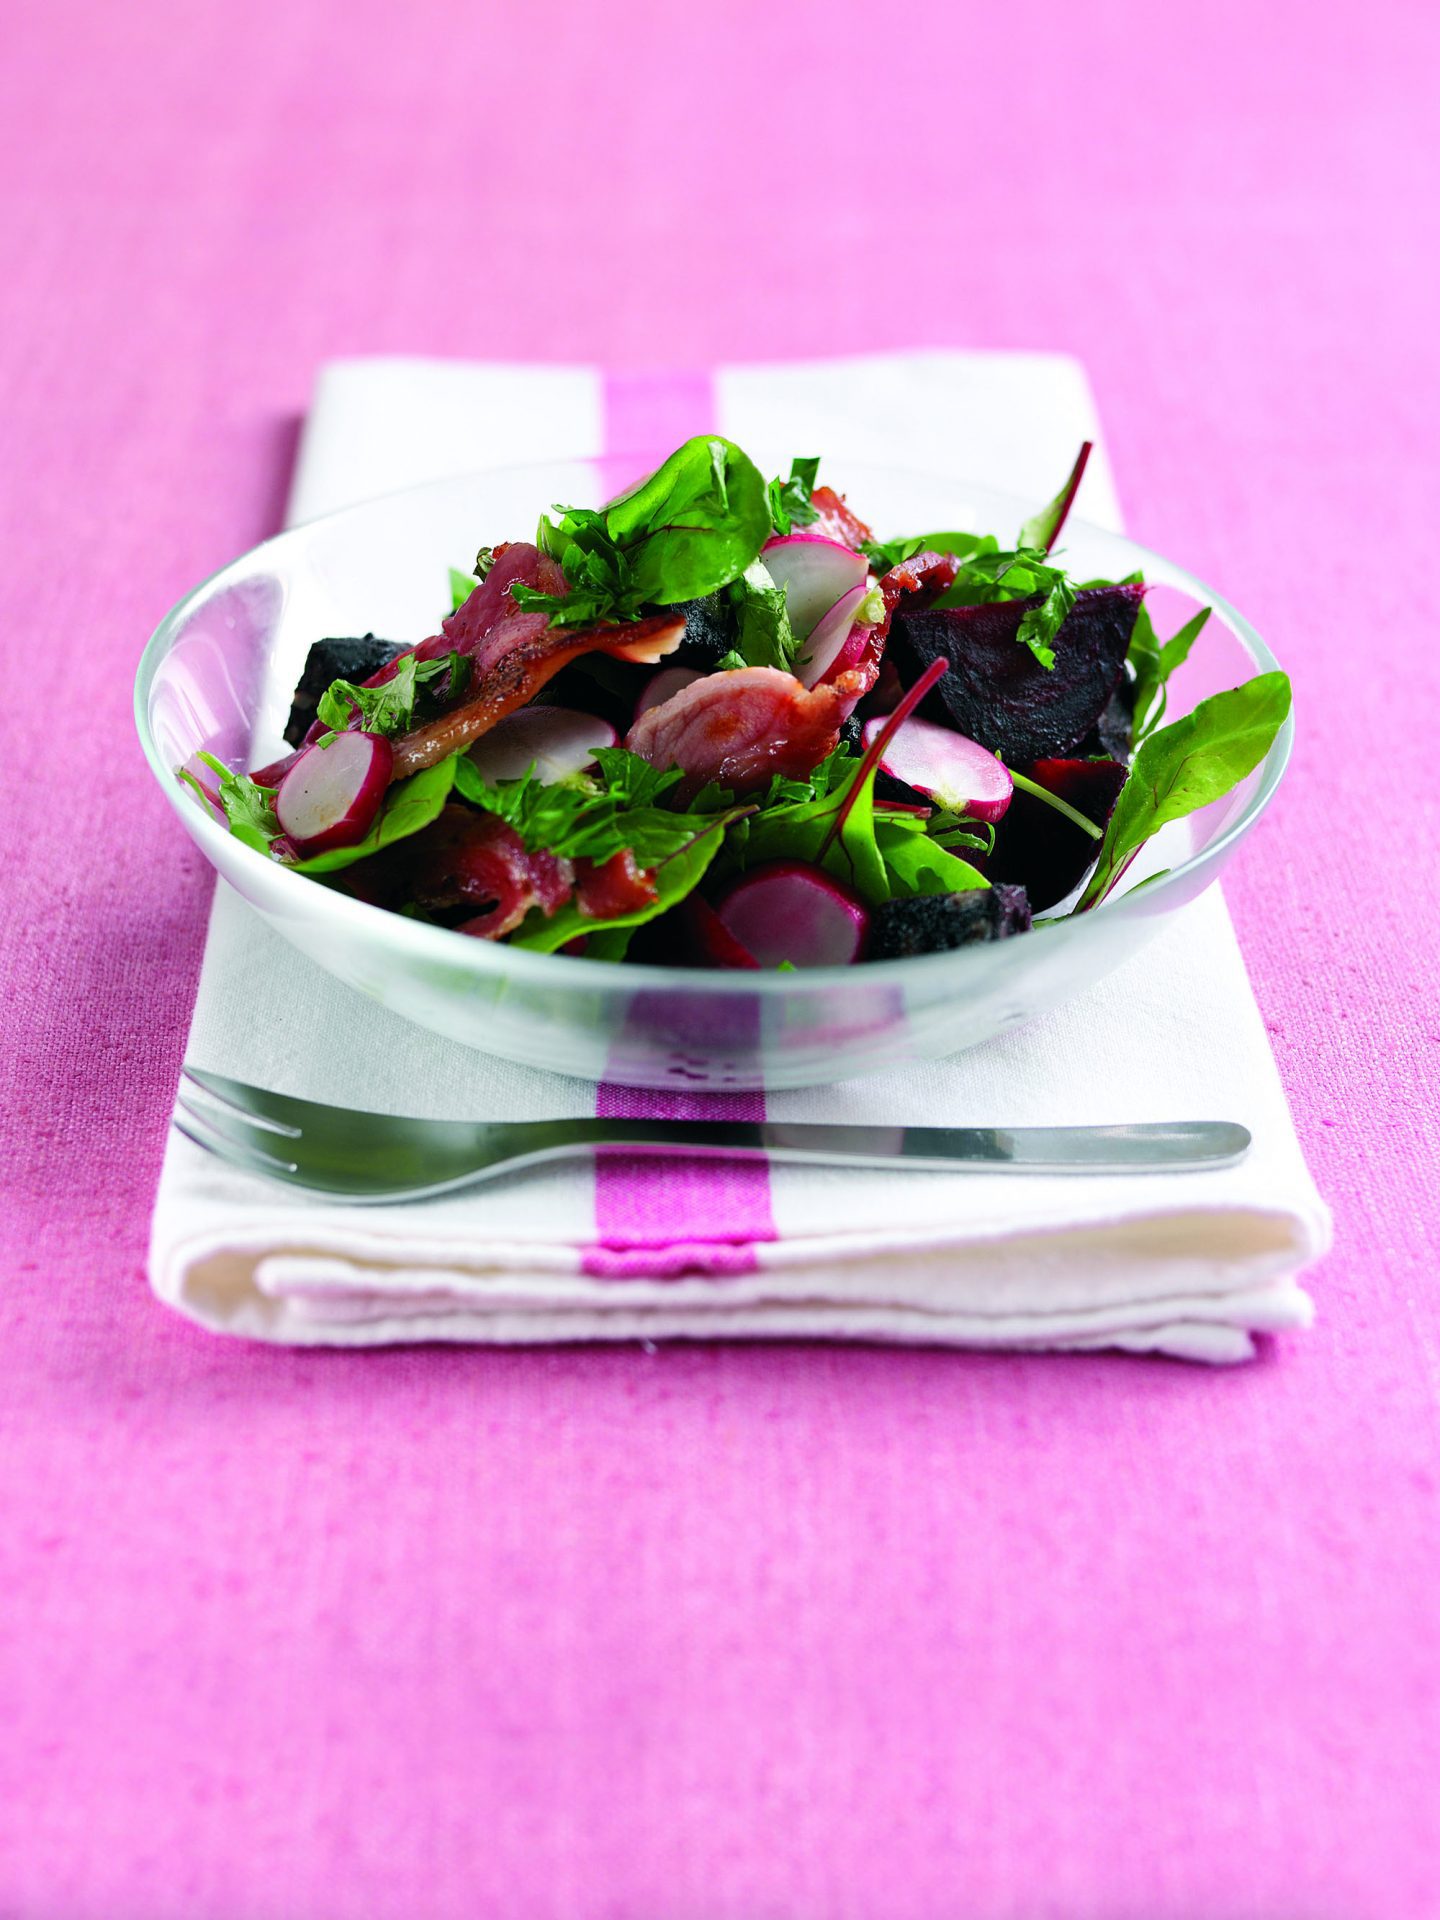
(1138, 1147)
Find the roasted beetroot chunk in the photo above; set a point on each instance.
(934, 922)
(1038, 848)
(711, 630)
(328, 660)
(997, 692)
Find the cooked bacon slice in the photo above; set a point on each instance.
(490, 606)
(469, 858)
(739, 727)
(614, 887)
(834, 519)
(517, 657)
(512, 655)
(926, 573)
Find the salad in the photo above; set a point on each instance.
(717, 722)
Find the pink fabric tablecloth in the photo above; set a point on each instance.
(720, 1632)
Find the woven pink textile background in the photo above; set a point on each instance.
(720, 1631)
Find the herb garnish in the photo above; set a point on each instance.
(249, 809)
(590, 819)
(765, 637)
(390, 707)
(790, 504)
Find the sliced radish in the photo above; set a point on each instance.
(797, 913)
(331, 795)
(959, 773)
(659, 687)
(814, 573)
(712, 939)
(830, 637)
(556, 741)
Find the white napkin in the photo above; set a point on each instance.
(1191, 1265)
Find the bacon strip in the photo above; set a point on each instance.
(740, 727)
(511, 653)
(613, 887)
(469, 858)
(518, 656)
(835, 521)
(926, 573)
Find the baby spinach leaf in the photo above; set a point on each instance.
(885, 554)
(1043, 530)
(410, 805)
(690, 527)
(916, 863)
(1187, 765)
(1153, 663)
(883, 855)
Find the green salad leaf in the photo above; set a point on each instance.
(581, 818)
(409, 805)
(1152, 664)
(1187, 765)
(885, 554)
(690, 527)
(790, 504)
(831, 822)
(1042, 530)
(249, 809)
(764, 636)
(676, 876)
(390, 707)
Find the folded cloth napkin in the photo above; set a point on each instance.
(1192, 1265)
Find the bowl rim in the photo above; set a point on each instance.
(559, 969)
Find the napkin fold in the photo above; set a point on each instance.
(1193, 1265)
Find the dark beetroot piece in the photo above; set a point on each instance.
(334, 659)
(711, 630)
(935, 922)
(997, 692)
(1113, 733)
(1038, 848)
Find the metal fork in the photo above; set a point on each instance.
(377, 1156)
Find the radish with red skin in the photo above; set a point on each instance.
(556, 741)
(814, 574)
(875, 751)
(959, 773)
(712, 940)
(332, 794)
(793, 912)
(830, 638)
(660, 686)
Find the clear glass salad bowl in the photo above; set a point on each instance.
(219, 671)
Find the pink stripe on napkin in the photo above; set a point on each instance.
(660, 1218)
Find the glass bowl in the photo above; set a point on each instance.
(219, 671)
